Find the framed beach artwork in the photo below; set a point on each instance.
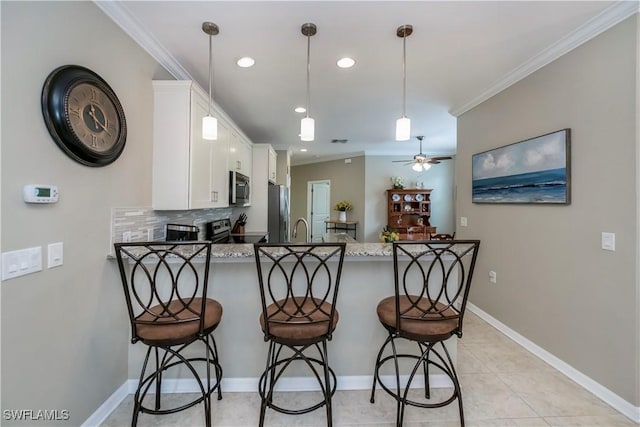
(536, 170)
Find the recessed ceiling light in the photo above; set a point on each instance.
(304, 150)
(300, 110)
(346, 62)
(246, 62)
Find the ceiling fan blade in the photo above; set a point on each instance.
(400, 161)
(433, 161)
(441, 158)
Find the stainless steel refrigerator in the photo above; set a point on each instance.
(278, 213)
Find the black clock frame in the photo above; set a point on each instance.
(54, 102)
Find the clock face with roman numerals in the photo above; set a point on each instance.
(83, 115)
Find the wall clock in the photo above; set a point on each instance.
(83, 115)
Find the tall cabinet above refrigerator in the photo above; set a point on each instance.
(278, 213)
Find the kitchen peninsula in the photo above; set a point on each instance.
(367, 277)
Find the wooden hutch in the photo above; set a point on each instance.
(409, 210)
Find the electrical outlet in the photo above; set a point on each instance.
(493, 277)
(126, 236)
(149, 234)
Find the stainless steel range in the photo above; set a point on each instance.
(219, 231)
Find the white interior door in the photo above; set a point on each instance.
(319, 193)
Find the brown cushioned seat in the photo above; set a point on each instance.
(431, 328)
(177, 333)
(284, 326)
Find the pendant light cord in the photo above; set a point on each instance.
(404, 75)
(308, 71)
(210, 70)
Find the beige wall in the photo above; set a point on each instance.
(64, 330)
(555, 285)
(347, 183)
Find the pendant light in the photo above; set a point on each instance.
(210, 123)
(403, 124)
(307, 124)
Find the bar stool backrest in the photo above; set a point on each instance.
(432, 279)
(163, 282)
(299, 282)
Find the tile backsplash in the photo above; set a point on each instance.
(146, 224)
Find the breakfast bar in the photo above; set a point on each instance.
(367, 277)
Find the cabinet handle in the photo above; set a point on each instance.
(214, 196)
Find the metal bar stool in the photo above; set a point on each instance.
(298, 290)
(432, 281)
(165, 287)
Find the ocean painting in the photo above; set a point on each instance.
(533, 171)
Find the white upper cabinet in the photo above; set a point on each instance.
(263, 173)
(189, 172)
(273, 163)
(240, 154)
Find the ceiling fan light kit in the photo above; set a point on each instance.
(307, 124)
(403, 124)
(422, 162)
(210, 123)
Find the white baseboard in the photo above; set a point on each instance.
(250, 385)
(108, 406)
(618, 403)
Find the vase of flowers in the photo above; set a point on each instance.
(397, 182)
(342, 207)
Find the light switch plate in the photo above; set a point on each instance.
(21, 262)
(55, 256)
(463, 221)
(608, 241)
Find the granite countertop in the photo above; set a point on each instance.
(353, 250)
(245, 252)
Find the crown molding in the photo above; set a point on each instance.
(117, 11)
(609, 17)
(119, 14)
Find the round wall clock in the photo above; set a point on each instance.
(83, 115)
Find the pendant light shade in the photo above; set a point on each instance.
(403, 129)
(403, 124)
(307, 129)
(209, 128)
(210, 123)
(307, 124)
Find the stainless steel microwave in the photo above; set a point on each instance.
(239, 189)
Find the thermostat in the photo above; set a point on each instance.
(34, 193)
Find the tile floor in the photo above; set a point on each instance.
(502, 385)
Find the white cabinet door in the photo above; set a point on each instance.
(273, 160)
(200, 195)
(219, 171)
(246, 157)
(188, 171)
(240, 154)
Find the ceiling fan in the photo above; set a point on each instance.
(421, 161)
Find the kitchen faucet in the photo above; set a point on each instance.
(306, 226)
